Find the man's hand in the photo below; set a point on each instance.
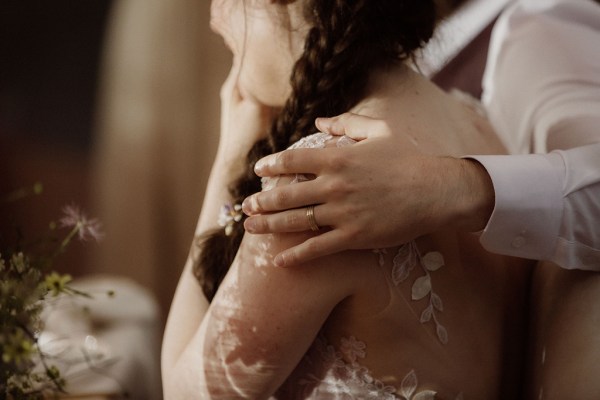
(377, 193)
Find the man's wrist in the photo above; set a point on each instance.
(476, 200)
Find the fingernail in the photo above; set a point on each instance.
(258, 167)
(246, 206)
(250, 205)
(323, 123)
(249, 225)
(279, 260)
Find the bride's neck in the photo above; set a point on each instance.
(399, 89)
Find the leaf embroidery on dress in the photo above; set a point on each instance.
(333, 375)
(404, 262)
(381, 256)
(409, 386)
(421, 287)
(433, 261)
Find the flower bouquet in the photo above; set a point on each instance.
(28, 286)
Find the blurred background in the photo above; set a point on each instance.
(113, 106)
(49, 68)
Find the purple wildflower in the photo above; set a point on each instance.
(86, 228)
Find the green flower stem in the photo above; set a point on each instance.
(53, 378)
(67, 240)
(71, 290)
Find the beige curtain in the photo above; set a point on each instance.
(156, 136)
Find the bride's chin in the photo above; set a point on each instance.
(249, 92)
(243, 90)
(263, 91)
(275, 98)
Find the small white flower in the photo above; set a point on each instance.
(228, 216)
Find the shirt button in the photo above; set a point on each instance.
(518, 242)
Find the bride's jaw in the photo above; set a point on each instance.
(266, 39)
(270, 92)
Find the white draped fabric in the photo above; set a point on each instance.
(156, 137)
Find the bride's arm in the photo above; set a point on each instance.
(260, 324)
(242, 122)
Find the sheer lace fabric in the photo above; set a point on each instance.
(331, 373)
(329, 376)
(315, 141)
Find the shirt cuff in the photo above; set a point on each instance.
(529, 204)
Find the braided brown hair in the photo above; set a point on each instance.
(347, 40)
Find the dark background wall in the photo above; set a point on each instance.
(49, 62)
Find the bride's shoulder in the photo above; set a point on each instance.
(318, 140)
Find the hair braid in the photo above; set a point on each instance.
(348, 38)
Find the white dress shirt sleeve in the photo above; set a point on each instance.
(542, 93)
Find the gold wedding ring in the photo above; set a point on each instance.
(312, 222)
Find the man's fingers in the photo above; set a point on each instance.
(332, 125)
(295, 161)
(285, 221)
(358, 127)
(296, 220)
(318, 246)
(282, 198)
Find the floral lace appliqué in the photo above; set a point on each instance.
(319, 140)
(348, 380)
(315, 141)
(404, 262)
(341, 379)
